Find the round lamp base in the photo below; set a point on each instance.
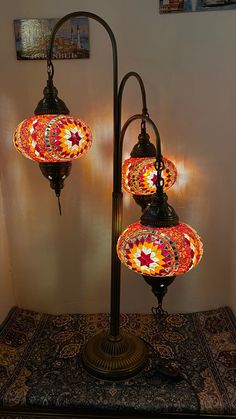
(114, 358)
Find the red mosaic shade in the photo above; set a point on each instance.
(139, 175)
(165, 251)
(52, 138)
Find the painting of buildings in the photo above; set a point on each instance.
(32, 38)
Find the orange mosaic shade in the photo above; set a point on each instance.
(52, 138)
(165, 251)
(139, 175)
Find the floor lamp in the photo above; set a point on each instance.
(53, 138)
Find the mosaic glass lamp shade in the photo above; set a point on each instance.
(160, 252)
(139, 175)
(52, 138)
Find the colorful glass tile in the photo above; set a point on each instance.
(139, 175)
(52, 138)
(165, 251)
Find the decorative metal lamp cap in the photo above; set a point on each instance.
(56, 173)
(144, 148)
(51, 103)
(159, 213)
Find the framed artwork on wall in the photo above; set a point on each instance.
(32, 37)
(180, 6)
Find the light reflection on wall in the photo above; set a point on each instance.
(99, 162)
(190, 176)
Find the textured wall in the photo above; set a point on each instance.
(188, 64)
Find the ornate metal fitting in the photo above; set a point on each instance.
(56, 173)
(144, 148)
(159, 287)
(51, 103)
(159, 213)
(142, 200)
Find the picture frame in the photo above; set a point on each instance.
(181, 6)
(32, 38)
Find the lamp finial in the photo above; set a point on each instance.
(51, 103)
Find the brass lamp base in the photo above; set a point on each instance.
(114, 358)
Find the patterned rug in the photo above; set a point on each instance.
(40, 364)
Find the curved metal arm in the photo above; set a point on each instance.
(93, 16)
(150, 121)
(121, 91)
(142, 88)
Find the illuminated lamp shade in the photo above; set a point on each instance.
(159, 252)
(139, 175)
(52, 138)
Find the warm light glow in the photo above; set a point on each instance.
(165, 251)
(52, 138)
(139, 175)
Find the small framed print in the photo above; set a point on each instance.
(176, 6)
(32, 38)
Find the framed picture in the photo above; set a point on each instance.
(170, 6)
(32, 38)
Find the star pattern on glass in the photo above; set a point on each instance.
(74, 138)
(52, 138)
(139, 175)
(154, 179)
(145, 259)
(166, 251)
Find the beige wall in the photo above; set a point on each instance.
(188, 64)
(6, 290)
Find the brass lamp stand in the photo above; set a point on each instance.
(110, 354)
